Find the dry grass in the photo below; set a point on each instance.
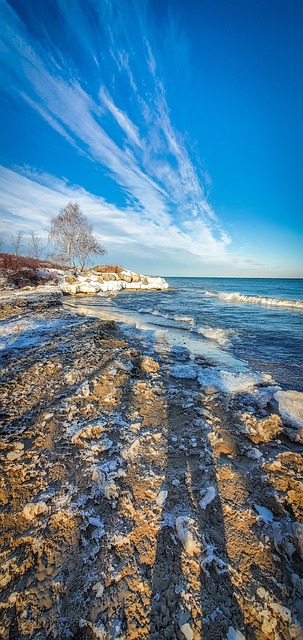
(22, 271)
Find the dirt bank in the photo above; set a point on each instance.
(135, 505)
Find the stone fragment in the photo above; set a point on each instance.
(261, 430)
(34, 509)
(148, 364)
(187, 631)
(297, 531)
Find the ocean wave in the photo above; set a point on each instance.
(186, 319)
(221, 336)
(236, 297)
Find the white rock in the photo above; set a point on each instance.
(209, 497)
(297, 531)
(112, 285)
(72, 289)
(183, 524)
(282, 611)
(32, 510)
(161, 497)
(234, 634)
(89, 287)
(99, 588)
(187, 631)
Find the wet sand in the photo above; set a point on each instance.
(135, 505)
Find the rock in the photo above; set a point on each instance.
(125, 275)
(148, 364)
(187, 631)
(161, 497)
(71, 289)
(297, 531)
(188, 539)
(208, 498)
(70, 280)
(135, 277)
(109, 276)
(112, 285)
(261, 430)
(234, 634)
(89, 287)
(32, 510)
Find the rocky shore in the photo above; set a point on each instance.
(137, 503)
(97, 280)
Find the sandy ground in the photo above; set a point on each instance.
(134, 505)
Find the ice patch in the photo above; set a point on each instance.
(183, 371)
(228, 382)
(208, 498)
(180, 353)
(265, 514)
(290, 407)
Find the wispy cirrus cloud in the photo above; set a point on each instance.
(118, 116)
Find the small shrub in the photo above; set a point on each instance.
(23, 278)
(9, 262)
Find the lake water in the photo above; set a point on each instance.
(238, 322)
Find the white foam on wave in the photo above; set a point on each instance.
(221, 336)
(236, 297)
(186, 319)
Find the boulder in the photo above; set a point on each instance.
(89, 287)
(109, 276)
(98, 269)
(125, 276)
(71, 289)
(135, 277)
(112, 285)
(70, 280)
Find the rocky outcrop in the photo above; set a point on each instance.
(94, 281)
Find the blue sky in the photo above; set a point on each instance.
(177, 127)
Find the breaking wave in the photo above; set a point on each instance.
(236, 297)
(221, 336)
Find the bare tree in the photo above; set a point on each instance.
(36, 246)
(2, 243)
(72, 237)
(16, 242)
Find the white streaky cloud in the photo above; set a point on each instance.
(166, 206)
(31, 203)
(121, 118)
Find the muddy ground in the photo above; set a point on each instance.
(135, 505)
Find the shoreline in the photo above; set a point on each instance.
(136, 504)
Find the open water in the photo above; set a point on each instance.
(242, 323)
